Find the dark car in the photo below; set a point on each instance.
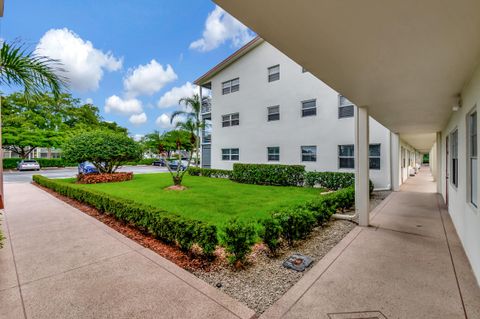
(159, 162)
(174, 165)
(87, 168)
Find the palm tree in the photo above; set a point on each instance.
(35, 73)
(193, 112)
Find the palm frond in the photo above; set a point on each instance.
(35, 73)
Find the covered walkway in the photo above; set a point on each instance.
(408, 264)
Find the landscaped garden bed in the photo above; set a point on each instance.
(231, 233)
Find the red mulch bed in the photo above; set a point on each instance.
(187, 261)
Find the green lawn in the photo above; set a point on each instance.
(214, 200)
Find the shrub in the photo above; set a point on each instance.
(106, 150)
(332, 180)
(209, 172)
(295, 222)
(270, 233)
(269, 174)
(163, 225)
(104, 178)
(143, 161)
(238, 238)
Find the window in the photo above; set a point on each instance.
(454, 158)
(309, 108)
(309, 153)
(231, 86)
(274, 73)
(374, 156)
(346, 156)
(231, 119)
(273, 154)
(345, 108)
(230, 154)
(472, 156)
(273, 113)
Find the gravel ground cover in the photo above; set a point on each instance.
(265, 280)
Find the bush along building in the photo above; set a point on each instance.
(266, 108)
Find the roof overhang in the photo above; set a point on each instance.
(229, 60)
(406, 60)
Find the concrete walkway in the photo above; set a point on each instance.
(61, 263)
(410, 264)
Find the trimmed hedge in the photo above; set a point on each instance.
(238, 238)
(10, 163)
(163, 225)
(269, 174)
(297, 222)
(143, 161)
(332, 180)
(209, 172)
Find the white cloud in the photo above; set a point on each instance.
(148, 79)
(221, 27)
(88, 100)
(163, 121)
(138, 119)
(115, 104)
(84, 65)
(171, 97)
(138, 137)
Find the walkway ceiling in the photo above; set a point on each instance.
(406, 60)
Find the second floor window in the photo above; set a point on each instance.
(345, 108)
(309, 108)
(273, 113)
(231, 86)
(230, 119)
(274, 73)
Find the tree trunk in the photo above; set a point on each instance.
(177, 180)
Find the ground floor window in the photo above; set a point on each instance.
(472, 156)
(309, 153)
(273, 154)
(230, 154)
(374, 156)
(346, 156)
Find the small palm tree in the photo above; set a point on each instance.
(194, 113)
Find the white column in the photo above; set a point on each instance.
(395, 161)
(362, 194)
(438, 160)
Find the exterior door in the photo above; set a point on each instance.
(447, 151)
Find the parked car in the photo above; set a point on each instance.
(174, 165)
(28, 165)
(87, 168)
(159, 162)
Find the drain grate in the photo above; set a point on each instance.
(357, 315)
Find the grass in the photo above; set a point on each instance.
(213, 200)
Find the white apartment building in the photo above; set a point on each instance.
(265, 108)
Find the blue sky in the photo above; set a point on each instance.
(133, 59)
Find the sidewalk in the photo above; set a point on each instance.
(58, 262)
(409, 264)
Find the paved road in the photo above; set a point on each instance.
(26, 176)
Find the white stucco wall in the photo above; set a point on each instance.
(465, 216)
(255, 133)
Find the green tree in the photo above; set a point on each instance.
(105, 149)
(193, 112)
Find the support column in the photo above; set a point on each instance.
(362, 193)
(438, 164)
(395, 161)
